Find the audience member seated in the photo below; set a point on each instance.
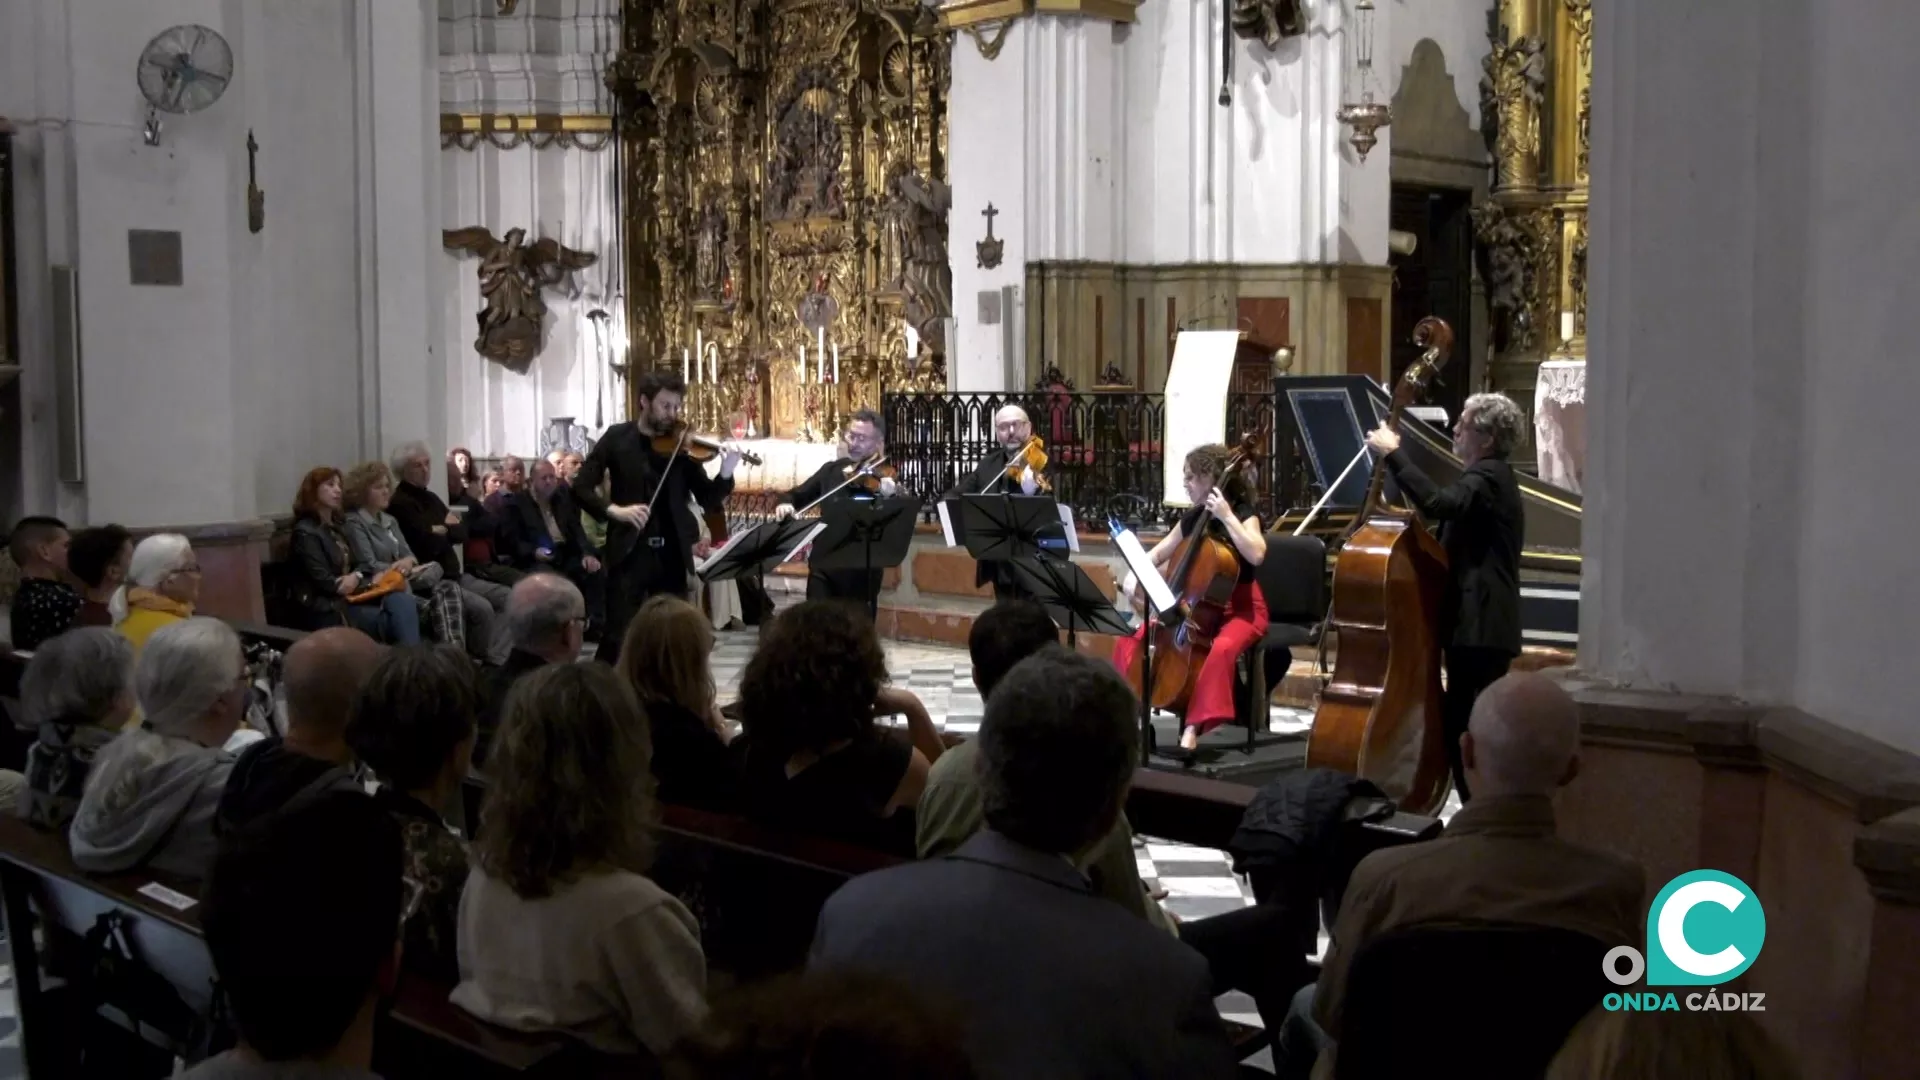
(1631, 1045)
(458, 617)
(814, 761)
(76, 695)
(824, 1026)
(320, 552)
(542, 532)
(413, 725)
(153, 793)
(45, 605)
(665, 659)
(1499, 860)
(163, 585)
(462, 478)
(320, 676)
(493, 492)
(546, 623)
(559, 928)
(300, 915)
(513, 475)
(431, 529)
(466, 494)
(98, 558)
(1048, 978)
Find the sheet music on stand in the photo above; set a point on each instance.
(951, 532)
(744, 535)
(1140, 565)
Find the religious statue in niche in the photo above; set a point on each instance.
(512, 277)
(817, 309)
(710, 275)
(803, 179)
(917, 216)
(1267, 21)
(1510, 252)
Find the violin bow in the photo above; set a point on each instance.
(866, 469)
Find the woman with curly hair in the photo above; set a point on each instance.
(323, 564)
(560, 929)
(1226, 511)
(665, 659)
(814, 759)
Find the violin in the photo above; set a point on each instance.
(866, 475)
(677, 438)
(1031, 456)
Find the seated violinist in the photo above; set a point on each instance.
(841, 479)
(1229, 516)
(1006, 469)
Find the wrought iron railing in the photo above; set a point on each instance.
(1104, 449)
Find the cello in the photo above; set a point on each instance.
(1206, 571)
(1378, 717)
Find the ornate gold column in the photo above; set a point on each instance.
(1533, 234)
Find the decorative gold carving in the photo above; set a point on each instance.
(1581, 12)
(1268, 21)
(1577, 278)
(512, 276)
(989, 47)
(1519, 251)
(780, 160)
(1512, 94)
(960, 14)
(506, 7)
(538, 130)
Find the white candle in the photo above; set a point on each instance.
(1566, 326)
(716, 365)
(913, 342)
(836, 362)
(699, 347)
(686, 366)
(803, 363)
(820, 345)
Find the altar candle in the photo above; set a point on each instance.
(836, 363)
(820, 345)
(716, 365)
(686, 366)
(1566, 326)
(803, 363)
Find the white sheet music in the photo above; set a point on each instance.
(1073, 534)
(946, 524)
(1140, 564)
(1196, 413)
(735, 540)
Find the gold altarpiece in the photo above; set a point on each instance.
(784, 186)
(1535, 98)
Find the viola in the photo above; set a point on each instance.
(1031, 456)
(680, 438)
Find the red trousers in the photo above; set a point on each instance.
(1212, 703)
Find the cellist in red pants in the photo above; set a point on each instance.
(1227, 512)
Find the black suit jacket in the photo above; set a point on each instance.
(1053, 979)
(825, 479)
(418, 510)
(626, 456)
(522, 527)
(1481, 525)
(990, 473)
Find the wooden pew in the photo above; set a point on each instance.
(422, 1034)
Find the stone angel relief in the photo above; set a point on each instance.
(512, 276)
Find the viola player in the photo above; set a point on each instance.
(1011, 431)
(1481, 523)
(1226, 511)
(647, 551)
(866, 435)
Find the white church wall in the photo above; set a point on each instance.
(201, 402)
(987, 160)
(1459, 27)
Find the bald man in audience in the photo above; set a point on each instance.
(1499, 860)
(321, 675)
(546, 624)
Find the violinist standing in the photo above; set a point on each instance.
(647, 552)
(866, 436)
(1481, 523)
(1012, 430)
(1228, 514)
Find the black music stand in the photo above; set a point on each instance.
(1003, 528)
(1140, 568)
(756, 551)
(867, 535)
(1070, 596)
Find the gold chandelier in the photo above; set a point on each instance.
(1366, 116)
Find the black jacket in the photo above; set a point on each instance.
(825, 479)
(419, 510)
(495, 683)
(521, 528)
(320, 557)
(626, 456)
(1481, 524)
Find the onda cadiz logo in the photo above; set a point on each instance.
(1705, 928)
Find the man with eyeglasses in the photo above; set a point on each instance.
(546, 624)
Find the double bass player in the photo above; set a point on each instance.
(1481, 523)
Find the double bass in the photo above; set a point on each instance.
(1206, 571)
(1378, 717)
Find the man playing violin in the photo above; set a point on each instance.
(866, 436)
(1481, 522)
(1227, 513)
(649, 507)
(1012, 431)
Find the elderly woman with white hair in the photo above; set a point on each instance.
(154, 791)
(163, 585)
(76, 695)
